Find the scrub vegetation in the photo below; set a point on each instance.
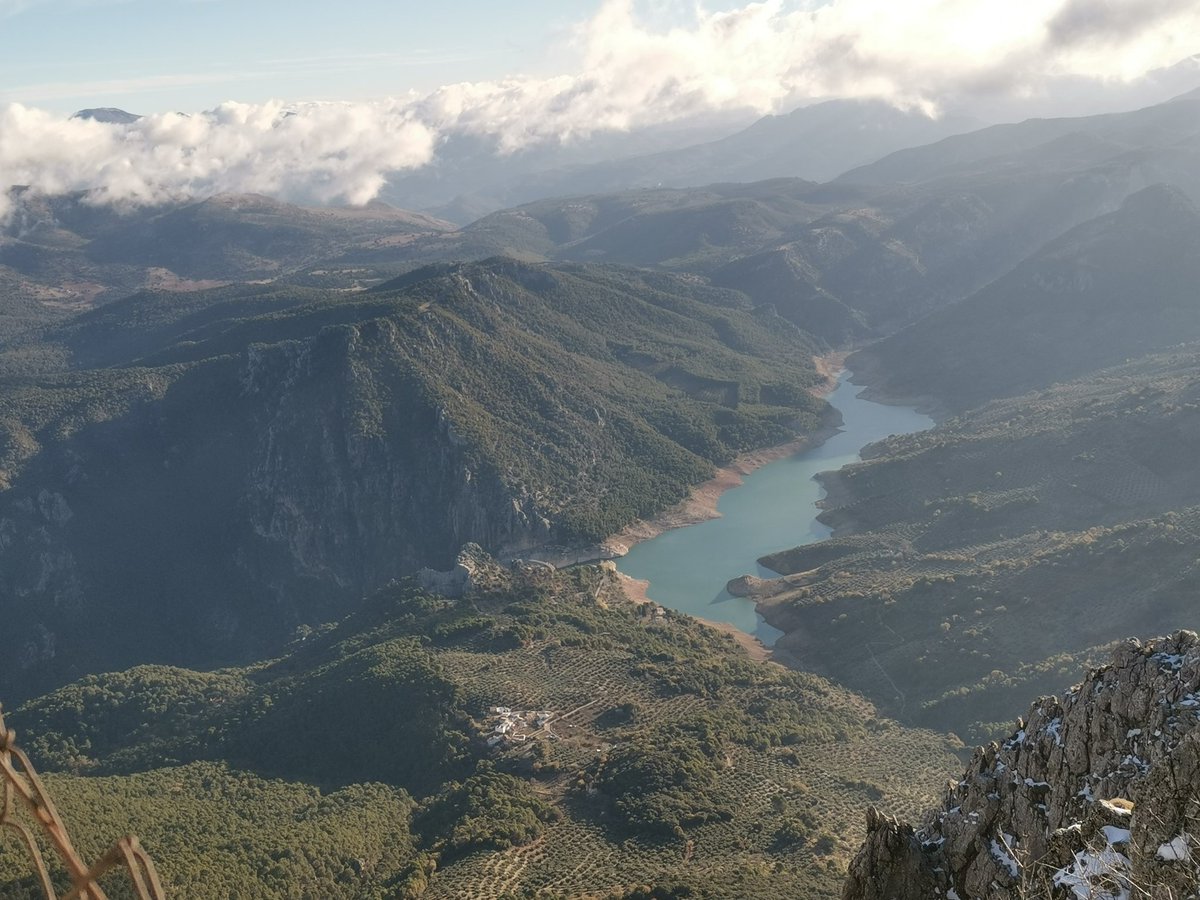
(357, 764)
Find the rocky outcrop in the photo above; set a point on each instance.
(353, 477)
(891, 864)
(1096, 796)
(254, 494)
(472, 568)
(206, 482)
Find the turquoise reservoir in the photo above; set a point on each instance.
(775, 508)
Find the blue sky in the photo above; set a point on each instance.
(632, 64)
(158, 55)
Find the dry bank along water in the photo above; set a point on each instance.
(763, 504)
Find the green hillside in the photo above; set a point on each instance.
(691, 228)
(356, 764)
(67, 254)
(225, 466)
(983, 561)
(1109, 290)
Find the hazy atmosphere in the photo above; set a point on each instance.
(610, 450)
(330, 119)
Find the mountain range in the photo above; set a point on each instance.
(278, 486)
(1048, 515)
(880, 246)
(323, 443)
(814, 142)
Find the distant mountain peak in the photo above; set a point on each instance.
(107, 114)
(1188, 96)
(1161, 202)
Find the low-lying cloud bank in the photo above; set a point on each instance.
(320, 152)
(766, 56)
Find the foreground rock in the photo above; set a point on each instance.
(1097, 796)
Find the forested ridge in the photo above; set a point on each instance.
(216, 469)
(357, 763)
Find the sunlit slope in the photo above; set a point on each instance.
(70, 253)
(982, 561)
(200, 476)
(667, 756)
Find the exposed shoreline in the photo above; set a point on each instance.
(635, 590)
(867, 376)
(769, 595)
(701, 502)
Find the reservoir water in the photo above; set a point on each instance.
(773, 509)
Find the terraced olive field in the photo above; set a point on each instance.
(665, 756)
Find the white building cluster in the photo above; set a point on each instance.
(506, 724)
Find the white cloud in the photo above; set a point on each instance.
(328, 152)
(771, 55)
(764, 56)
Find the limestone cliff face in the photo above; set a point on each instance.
(1096, 796)
(261, 491)
(212, 477)
(354, 476)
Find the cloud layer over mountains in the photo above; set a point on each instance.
(766, 56)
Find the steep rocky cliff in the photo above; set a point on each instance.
(1096, 796)
(200, 478)
(250, 494)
